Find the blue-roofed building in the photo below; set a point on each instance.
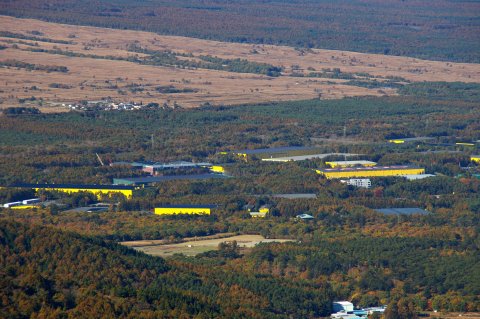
(402, 211)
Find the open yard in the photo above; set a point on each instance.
(194, 247)
(101, 64)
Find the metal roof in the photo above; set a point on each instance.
(411, 177)
(373, 168)
(77, 186)
(360, 162)
(402, 211)
(156, 179)
(305, 216)
(177, 165)
(306, 157)
(274, 150)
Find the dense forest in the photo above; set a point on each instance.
(51, 274)
(439, 30)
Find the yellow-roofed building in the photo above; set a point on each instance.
(184, 209)
(24, 207)
(217, 169)
(375, 171)
(258, 214)
(264, 209)
(396, 141)
(475, 158)
(98, 190)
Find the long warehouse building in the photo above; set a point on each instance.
(127, 191)
(375, 171)
(184, 209)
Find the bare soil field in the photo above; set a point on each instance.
(94, 78)
(195, 247)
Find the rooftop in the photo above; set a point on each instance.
(158, 165)
(306, 157)
(76, 186)
(156, 179)
(418, 176)
(402, 211)
(373, 168)
(178, 164)
(305, 216)
(350, 163)
(274, 150)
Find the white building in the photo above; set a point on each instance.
(358, 182)
(342, 306)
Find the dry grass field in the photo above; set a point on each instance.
(195, 247)
(95, 79)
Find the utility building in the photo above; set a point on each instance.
(184, 209)
(375, 171)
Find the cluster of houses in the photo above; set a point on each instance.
(108, 106)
